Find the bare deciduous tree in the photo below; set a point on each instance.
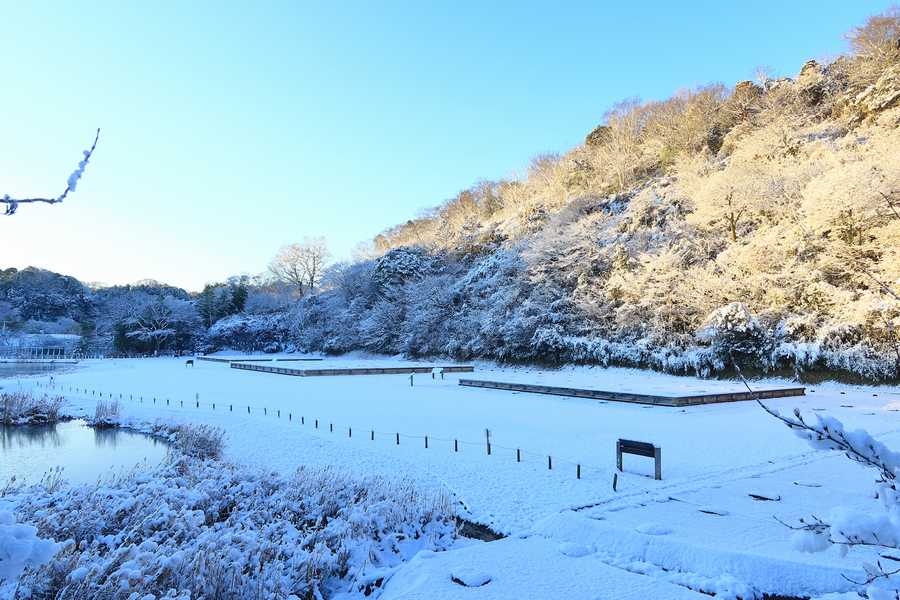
(301, 265)
(12, 204)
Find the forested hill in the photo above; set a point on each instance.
(757, 225)
(42, 308)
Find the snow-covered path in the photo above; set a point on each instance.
(713, 457)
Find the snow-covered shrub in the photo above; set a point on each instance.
(203, 529)
(199, 440)
(844, 528)
(23, 408)
(380, 330)
(733, 331)
(248, 333)
(400, 266)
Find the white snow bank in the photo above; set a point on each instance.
(20, 549)
(701, 564)
(525, 568)
(196, 528)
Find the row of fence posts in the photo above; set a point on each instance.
(487, 432)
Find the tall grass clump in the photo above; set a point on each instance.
(24, 408)
(107, 414)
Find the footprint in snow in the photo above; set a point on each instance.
(653, 529)
(574, 550)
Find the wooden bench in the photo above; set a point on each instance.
(639, 449)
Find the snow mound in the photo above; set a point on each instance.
(470, 577)
(20, 548)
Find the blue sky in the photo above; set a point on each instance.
(232, 128)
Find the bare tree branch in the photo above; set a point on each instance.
(12, 204)
(301, 265)
(890, 202)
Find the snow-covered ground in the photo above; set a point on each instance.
(698, 527)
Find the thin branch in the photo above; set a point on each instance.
(880, 284)
(12, 204)
(890, 203)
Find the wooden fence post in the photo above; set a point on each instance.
(657, 458)
(619, 455)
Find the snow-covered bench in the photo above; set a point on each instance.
(639, 449)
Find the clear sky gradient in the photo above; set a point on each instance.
(230, 129)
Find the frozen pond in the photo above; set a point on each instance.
(84, 453)
(11, 370)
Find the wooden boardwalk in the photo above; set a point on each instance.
(691, 400)
(358, 371)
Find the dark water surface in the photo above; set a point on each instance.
(12, 370)
(84, 453)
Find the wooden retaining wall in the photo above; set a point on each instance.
(359, 371)
(635, 398)
(231, 360)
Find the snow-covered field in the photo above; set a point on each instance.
(698, 528)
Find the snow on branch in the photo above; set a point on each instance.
(12, 204)
(827, 433)
(845, 528)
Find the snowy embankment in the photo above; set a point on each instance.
(207, 529)
(699, 527)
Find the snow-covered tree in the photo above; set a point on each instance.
(302, 264)
(161, 321)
